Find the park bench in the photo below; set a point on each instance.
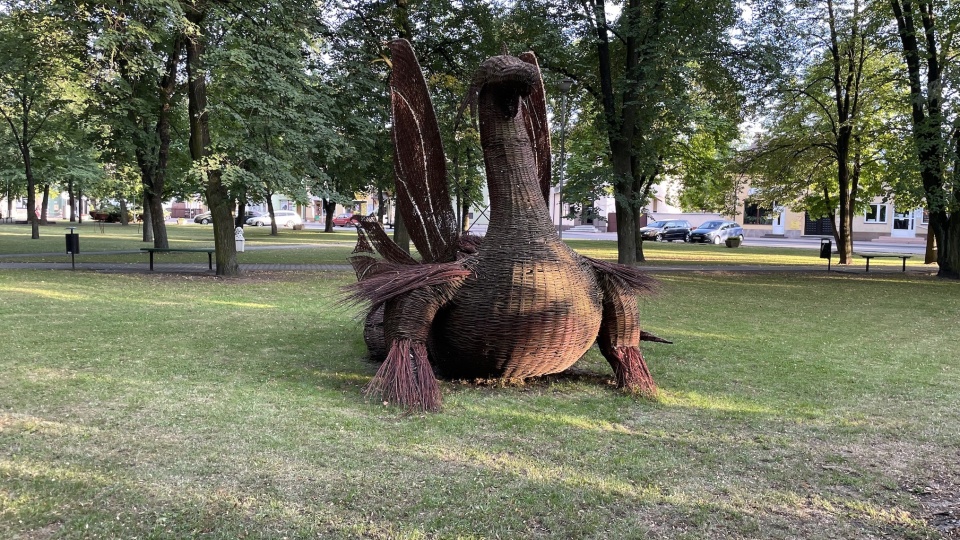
(869, 256)
(208, 251)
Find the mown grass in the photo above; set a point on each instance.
(117, 244)
(154, 406)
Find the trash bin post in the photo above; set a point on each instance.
(73, 245)
(238, 237)
(826, 250)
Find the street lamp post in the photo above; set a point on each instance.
(565, 85)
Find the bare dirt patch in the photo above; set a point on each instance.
(940, 499)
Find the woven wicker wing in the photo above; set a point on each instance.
(420, 169)
(535, 118)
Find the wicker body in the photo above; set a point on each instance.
(519, 304)
(531, 306)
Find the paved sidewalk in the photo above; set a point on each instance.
(160, 268)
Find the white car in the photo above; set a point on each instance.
(285, 218)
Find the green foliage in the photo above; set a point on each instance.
(457, 38)
(273, 121)
(650, 71)
(588, 175)
(815, 127)
(135, 42)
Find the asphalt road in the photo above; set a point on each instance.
(913, 246)
(809, 242)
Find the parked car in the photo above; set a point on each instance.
(717, 232)
(668, 229)
(346, 219)
(206, 217)
(285, 218)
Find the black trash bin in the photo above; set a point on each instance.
(826, 250)
(73, 245)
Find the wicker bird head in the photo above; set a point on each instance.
(506, 79)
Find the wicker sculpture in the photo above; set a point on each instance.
(517, 303)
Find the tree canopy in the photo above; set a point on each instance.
(238, 101)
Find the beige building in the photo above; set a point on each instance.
(881, 221)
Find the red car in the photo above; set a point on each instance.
(346, 219)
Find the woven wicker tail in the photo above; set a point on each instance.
(531, 305)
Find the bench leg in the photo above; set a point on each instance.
(904, 264)
(151, 261)
(210, 260)
(868, 264)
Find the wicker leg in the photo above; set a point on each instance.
(406, 377)
(631, 370)
(619, 340)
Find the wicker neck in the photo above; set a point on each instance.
(516, 202)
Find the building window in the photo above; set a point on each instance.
(876, 214)
(754, 214)
(925, 220)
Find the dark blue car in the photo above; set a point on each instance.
(667, 229)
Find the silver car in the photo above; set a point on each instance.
(285, 218)
(717, 232)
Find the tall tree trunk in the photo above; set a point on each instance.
(620, 155)
(626, 233)
(272, 212)
(329, 207)
(949, 254)
(44, 203)
(845, 222)
(241, 210)
(32, 217)
(124, 218)
(154, 173)
(147, 221)
(72, 201)
(80, 206)
(927, 119)
(465, 217)
(621, 127)
(218, 199)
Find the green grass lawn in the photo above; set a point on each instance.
(169, 406)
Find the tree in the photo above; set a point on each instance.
(451, 39)
(139, 48)
(12, 183)
(925, 31)
(827, 119)
(272, 117)
(647, 70)
(673, 53)
(39, 76)
(206, 165)
(68, 160)
(588, 175)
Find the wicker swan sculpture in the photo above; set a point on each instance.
(517, 303)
